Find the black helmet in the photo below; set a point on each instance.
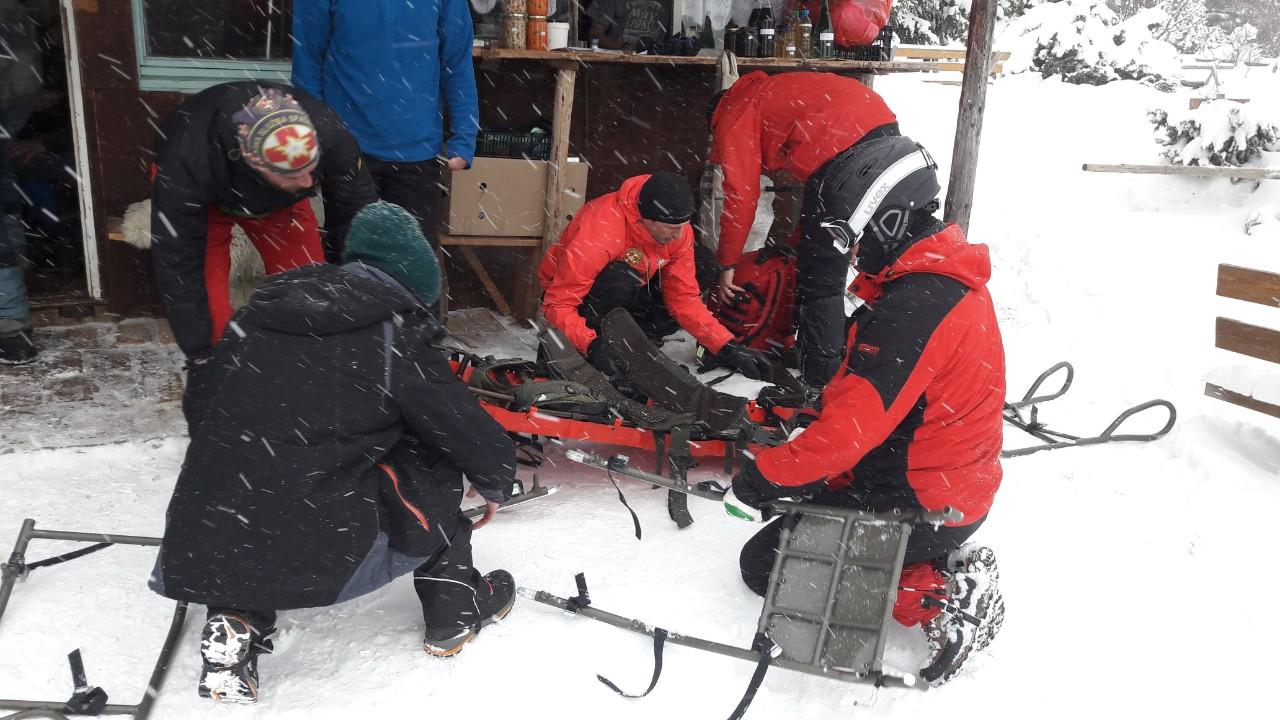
(876, 197)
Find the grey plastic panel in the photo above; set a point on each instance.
(832, 590)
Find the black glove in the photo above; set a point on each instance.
(755, 364)
(603, 358)
(753, 489)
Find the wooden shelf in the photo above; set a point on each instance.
(587, 58)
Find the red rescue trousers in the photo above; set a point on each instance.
(286, 239)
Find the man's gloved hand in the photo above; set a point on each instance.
(753, 489)
(755, 364)
(603, 358)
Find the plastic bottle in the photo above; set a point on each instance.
(789, 36)
(731, 37)
(804, 35)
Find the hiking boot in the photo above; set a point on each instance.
(16, 346)
(977, 559)
(230, 647)
(970, 618)
(972, 558)
(493, 600)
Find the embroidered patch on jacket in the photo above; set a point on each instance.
(634, 257)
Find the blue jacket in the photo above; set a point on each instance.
(386, 66)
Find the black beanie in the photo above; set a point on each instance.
(666, 197)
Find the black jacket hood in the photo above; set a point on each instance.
(326, 300)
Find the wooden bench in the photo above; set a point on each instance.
(1255, 286)
(945, 59)
(528, 246)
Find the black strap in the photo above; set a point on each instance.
(635, 519)
(659, 641)
(716, 381)
(764, 646)
(68, 556)
(583, 598)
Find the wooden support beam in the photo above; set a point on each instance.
(1255, 286)
(554, 220)
(1245, 339)
(1245, 401)
(489, 241)
(490, 286)
(973, 100)
(1190, 170)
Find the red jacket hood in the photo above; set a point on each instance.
(628, 195)
(944, 253)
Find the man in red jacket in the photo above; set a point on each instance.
(798, 123)
(634, 249)
(913, 419)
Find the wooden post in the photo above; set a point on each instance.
(973, 100)
(554, 219)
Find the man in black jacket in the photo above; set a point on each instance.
(251, 154)
(331, 459)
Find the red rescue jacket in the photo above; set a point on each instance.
(914, 419)
(795, 122)
(608, 229)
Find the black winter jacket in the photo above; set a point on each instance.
(198, 164)
(333, 446)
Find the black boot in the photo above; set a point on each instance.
(490, 601)
(16, 347)
(230, 646)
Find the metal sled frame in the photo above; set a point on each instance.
(1054, 439)
(855, 559)
(848, 561)
(16, 568)
(832, 590)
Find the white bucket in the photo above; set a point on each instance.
(557, 35)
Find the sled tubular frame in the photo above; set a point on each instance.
(16, 568)
(732, 651)
(1053, 439)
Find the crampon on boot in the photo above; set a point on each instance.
(971, 613)
(493, 600)
(230, 646)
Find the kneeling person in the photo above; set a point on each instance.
(634, 249)
(913, 419)
(332, 457)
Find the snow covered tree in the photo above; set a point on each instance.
(1220, 133)
(931, 22)
(1086, 42)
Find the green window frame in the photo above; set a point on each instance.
(191, 75)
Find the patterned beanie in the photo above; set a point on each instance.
(276, 134)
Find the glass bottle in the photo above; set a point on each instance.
(825, 41)
(731, 37)
(765, 31)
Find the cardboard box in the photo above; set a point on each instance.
(505, 197)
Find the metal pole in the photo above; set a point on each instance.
(710, 646)
(9, 571)
(162, 663)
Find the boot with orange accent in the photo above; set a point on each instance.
(491, 601)
(230, 646)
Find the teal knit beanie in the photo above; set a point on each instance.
(387, 237)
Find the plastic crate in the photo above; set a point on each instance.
(879, 51)
(513, 144)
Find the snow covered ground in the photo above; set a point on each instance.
(1139, 578)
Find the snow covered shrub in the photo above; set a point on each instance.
(931, 22)
(1085, 42)
(1221, 133)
